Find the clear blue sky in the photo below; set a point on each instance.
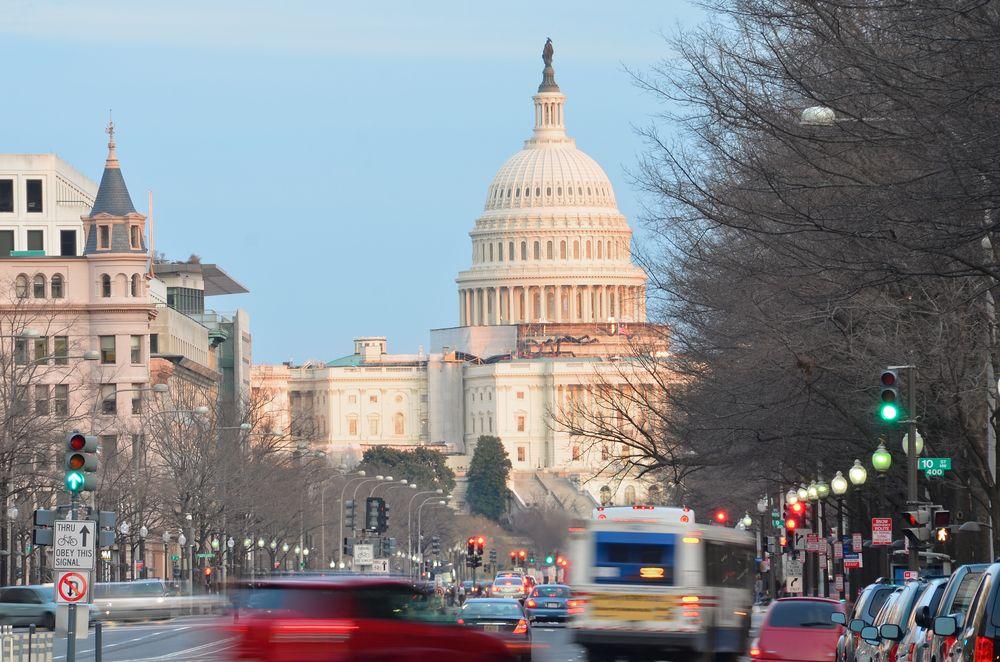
(332, 156)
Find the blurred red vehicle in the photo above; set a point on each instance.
(352, 618)
(798, 629)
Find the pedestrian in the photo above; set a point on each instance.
(450, 594)
(461, 595)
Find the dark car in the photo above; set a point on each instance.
(893, 624)
(548, 602)
(503, 618)
(798, 629)
(352, 617)
(916, 640)
(977, 637)
(865, 609)
(955, 602)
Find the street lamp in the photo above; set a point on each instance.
(906, 443)
(839, 484)
(812, 492)
(792, 497)
(839, 487)
(747, 521)
(802, 493)
(858, 474)
(822, 489)
(881, 458)
(882, 461)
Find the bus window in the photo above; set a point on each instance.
(728, 566)
(634, 558)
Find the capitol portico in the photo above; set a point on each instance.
(548, 308)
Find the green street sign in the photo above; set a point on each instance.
(928, 463)
(175, 557)
(204, 555)
(776, 523)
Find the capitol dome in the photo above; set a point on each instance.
(551, 245)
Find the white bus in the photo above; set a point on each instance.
(655, 583)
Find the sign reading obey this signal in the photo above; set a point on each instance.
(73, 544)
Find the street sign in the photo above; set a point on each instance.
(793, 583)
(380, 566)
(910, 574)
(204, 555)
(852, 561)
(777, 523)
(73, 545)
(793, 567)
(838, 550)
(856, 542)
(72, 587)
(927, 463)
(800, 540)
(881, 530)
(838, 583)
(364, 554)
(812, 542)
(175, 557)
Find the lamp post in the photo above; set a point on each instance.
(882, 461)
(839, 487)
(340, 555)
(420, 508)
(409, 522)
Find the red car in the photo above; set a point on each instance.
(352, 618)
(798, 629)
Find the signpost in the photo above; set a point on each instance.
(881, 530)
(380, 566)
(364, 554)
(934, 466)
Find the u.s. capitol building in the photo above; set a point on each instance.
(548, 306)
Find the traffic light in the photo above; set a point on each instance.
(480, 544)
(382, 521)
(81, 462)
(471, 547)
(916, 524)
(889, 399)
(435, 546)
(371, 514)
(348, 546)
(522, 556)
(720, 516)
(513, 558)
(549, 560)
(349, 515)
(794, 515)
(493, 557)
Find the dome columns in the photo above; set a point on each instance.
(551, 302)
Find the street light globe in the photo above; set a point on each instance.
(881, 458)
(858, 474)
(747, 521)
(284, 547)
(261, 543)
(812, 492)
(13, 512)
(379, 477)
(160, 388)
(906, 443)
(333, 564)
(802, 493)
(215, 543)
(166, 537)
(274, 544)
(298, 550)
(124, 528)
(91, 355)
(342, 565)
(246, 427)
(143, 531)
(201, 410)
(818, 115)
(230, 543)
(247, 542)
(762, 505)
(362, 473)
(305, 551)
(182, 540)
(792, 497)
(839, 484)
(822, 489)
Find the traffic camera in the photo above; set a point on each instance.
(81, 462)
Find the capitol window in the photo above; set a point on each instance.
(491, 252)
(548, 191)
(520, 454)
(562, 249)
(524, 250)
(548, 250)
(510, 250)
(576, 250)
(599, 246)
(589, 253)
(373, 426)
(538, 191)
(538, 251)
(398, 424)
(352, 426)
(500, 251)
(520, 423)
(373, 399)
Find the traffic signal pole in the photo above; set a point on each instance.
(912, 500)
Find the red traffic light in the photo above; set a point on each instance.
(522, 553)
(798, 508)
(77, 441)
(481, 540)
(888, 378)
(208, 571)
(791, 524)
(721, 516)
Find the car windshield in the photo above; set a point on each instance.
(490, 609)
(801, 614)
(551, 592)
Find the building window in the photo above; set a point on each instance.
(41, 399)
(33, 189)
(500, 251)
(186, 300)
(520, 423)
(109, 399)
(56, 287)
(524, 250)
(38, 286)
(373, 399)
(6, 195)
(135, 237)
(6, 242)
(548, 251)
(398, 424)
(599, 252)
(562, 249)
(60, 349)
(41, 349)
(67, 243)
(576, 452)
(521, 454)
(520, 395)
(137, 398)
(538, 251)
(491, 252)
(154, 343)
(105, 285)
(576, 250)
(20, 351)
(60, 403)
(489, 423)
(21, 286)
(353, 399)
(104, 237)
(135, 285)
(107, 349)
(510, 251)
(589, 253)
(373, 426)
(352, 426)
(36, 240)
(135, 348)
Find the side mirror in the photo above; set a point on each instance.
(870, 634)
(923, 617)
(856, 626)
(891, 632)
(945, 626)
(838, 617)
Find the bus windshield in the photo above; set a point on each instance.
(634, 558)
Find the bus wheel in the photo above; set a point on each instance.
(599, 655)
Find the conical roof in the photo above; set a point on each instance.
(112, 195)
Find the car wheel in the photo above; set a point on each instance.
(49, 621)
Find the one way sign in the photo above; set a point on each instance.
(73, 545)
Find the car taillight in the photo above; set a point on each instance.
(531, 603)
(754, 649)
(892, 651)
(984, 650)
(522, 627)
(461, 621)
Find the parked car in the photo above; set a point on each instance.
(958, 594)
(865, 609)
(798, 629)
(548, 602)
(353, 617)
(868, 648)
(893, 625)
(916, 641)
(503, 618)
(977, 636)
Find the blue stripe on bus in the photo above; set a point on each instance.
(628, 537)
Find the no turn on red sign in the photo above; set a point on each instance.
(72, 587)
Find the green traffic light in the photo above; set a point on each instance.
(549, 560)
(75, 481)
(889, 412)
